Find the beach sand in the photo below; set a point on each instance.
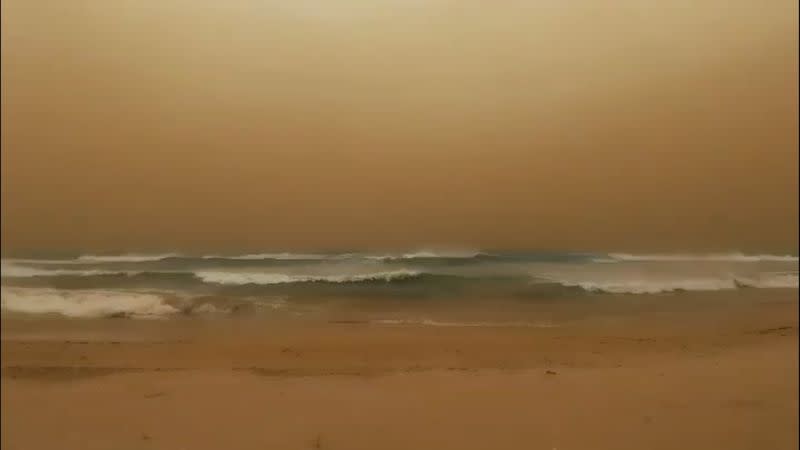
(716, 378)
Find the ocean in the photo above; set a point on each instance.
(296, 284)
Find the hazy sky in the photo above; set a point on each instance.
(194, 125)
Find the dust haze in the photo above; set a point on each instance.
(211, 125)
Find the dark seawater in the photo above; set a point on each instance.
(148, 286)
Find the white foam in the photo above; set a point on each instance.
(241, 278)
(84, 303)
(722, 257)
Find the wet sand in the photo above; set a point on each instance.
(712, 379)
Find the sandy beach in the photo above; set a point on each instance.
(682, 380)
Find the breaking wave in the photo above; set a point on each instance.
(85, 303)
(238, 278)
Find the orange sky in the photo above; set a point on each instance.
(208, 125)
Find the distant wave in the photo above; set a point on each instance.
(428, 254)
(657, 286)
(42, 262)
(283, 256)
(239, 278)
(277, 256)
(125, 258)
(420, 256)
(85, 303)
(11, 270)
(720, 257)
